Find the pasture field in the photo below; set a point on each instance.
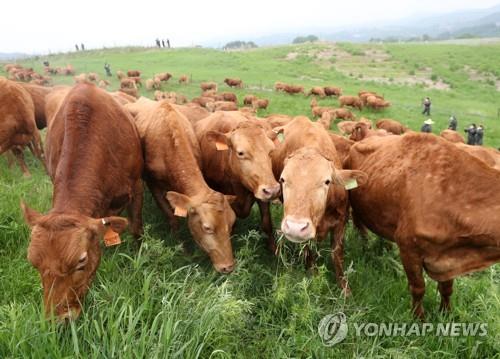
(165, 301)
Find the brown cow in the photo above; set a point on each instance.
(352, 101)
(133, 92)
(332, 91)
(93, 77)
(343, 113)
(38, 94)
(95, 162)
(317, 91)
(488, 155)
(17, 123)
(122, 97)
(278, 120)
(326, 120)
(312, 180)
(164, 76)
(221, 106)
(205, 86)
(342, 145)
(233, 82)
(293, 89)
(279, 86)
(249, 99)
(173, 175)
(376, 103)
(260, 103)
(236, 161)
(104, 84)
(133, 73)
(391, 126)
(362, 130)
(183, 79)
(452, 136)
(437, 202)
(120, 74)
(202, 101)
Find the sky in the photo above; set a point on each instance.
(42, 26)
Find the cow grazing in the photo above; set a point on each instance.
(95, 162)
(233, 82)
(317, 111)
(260, 103)
(376, 103)
(452, 136)
(17, 123)
(342, 113)
(202, 101)
(133, 73)
(312, 181)
(326, 120)
(249, 99)
(391, 126)
(184, 79)
(236, 161)
(317, 91)
(279, 86)
(221, 106)
(227, 96)
(164, 76)
(332, 91)
(351, 101)
(205, 86)
(293, 89)
(361, 130)
(38, 94)
(437, 202)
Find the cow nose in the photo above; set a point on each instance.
(271, 192)
(297, 230)
(226, 269)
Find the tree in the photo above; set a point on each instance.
(303, 39)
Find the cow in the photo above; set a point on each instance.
(92, 77)
(132, 92)
(488, 155)
(208, 86)
(362, 130)
(342, 145)
(317, 111)
(317, 91)
(227, 96)
(233, 82)
(133, 73)
(164, 76)
(17, 123)
(120, 74)
(249, 99)
(279, 86)
(352, 101)
(391, 126)
(193, 113)
(315, 201)
(342, 113)
(376, 103)
(202, 100)
(293, 89)
(183, 79)
(326, 120)
(236, 161)
(363, 95)
(221, 106)
(95, 162)
(122, 97)
(452, 136)
(437, 202)
(260, 103)
(81, 78)
(332, 91)
(104, 84)
(172, 172)
(38, 94)
(53, 102)
(278, 120)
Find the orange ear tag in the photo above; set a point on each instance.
(111, 238)
(180, 212)
(221, 146)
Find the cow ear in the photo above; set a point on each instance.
(350, 179)
(30, 215)
(101, 225)
(180, 203)
(221, 140)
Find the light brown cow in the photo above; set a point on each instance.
(193, 113)
(164, 76)
(38, 94)
(352, 101)
(236, 161)
(312, 180)
(183, 79)
(233, 82)
(362, 130)
(120, 74)
(279, 86)
(122, 97)
(202, 101)
(104, 84)
(317, 91)
(488, 155)
(326, 120)
(278, 120)
(205, 86)
(260, 103)
(81, 78)
(452, 136)
(391, 126)
(376, 103)
(172, 171)
(17, 123)
(95, 162)
(133, 73)
(92, 77)
(221, 106)
(437, 202)
(342, 145)
(342, 113)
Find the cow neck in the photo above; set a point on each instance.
(189, 181)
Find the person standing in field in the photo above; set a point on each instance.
(471, 134)
(107, 68)
(427, 106)
(82, 47)
(168, 43)
(158, 43)
(76, 47)
(163, 43)
(453, 123)
(479, 135)
(427, 127)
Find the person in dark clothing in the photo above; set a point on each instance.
(168, 43)
(471, 134)
(163, 43)
(479, 135)
(107, 68)
(427, 106)
(427, 127)
(46, 63)
(158, 43)
(82, 47)
(76, 46)
(452, 125)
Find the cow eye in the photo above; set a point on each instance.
(240, 153)
(327, 182)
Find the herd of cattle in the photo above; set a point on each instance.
(437, 199)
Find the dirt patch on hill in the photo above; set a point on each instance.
(291, 56)
(476, 75)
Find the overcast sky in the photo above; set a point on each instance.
(40, 26)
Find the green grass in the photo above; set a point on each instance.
(161, 302)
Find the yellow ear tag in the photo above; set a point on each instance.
(221, 146)
(351, 184)
(180, 212)
(111, 238)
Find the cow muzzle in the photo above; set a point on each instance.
(298, 230)
(267, 193)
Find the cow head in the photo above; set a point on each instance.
(65, 250)
(307, 181)
(249, 147)
(210, 221)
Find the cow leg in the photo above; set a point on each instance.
(36, 148)
(135, 210)
(10, 158)
(446, 290)
(266, 224)
(18, 153)
(337, 254)
(159, 196)
(243, 205)
(416, 283)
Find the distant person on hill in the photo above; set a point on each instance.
(158, 43)
(453, 123)
(46, 63)
(76, 47)
(427, 106)
(168, 43)
(479, 135)
(107, 68)
(427, 127)
(163, 43)
(471, 134)
(82, 47)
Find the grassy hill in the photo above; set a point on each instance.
(162, 302)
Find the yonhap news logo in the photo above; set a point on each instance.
(333, 329)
